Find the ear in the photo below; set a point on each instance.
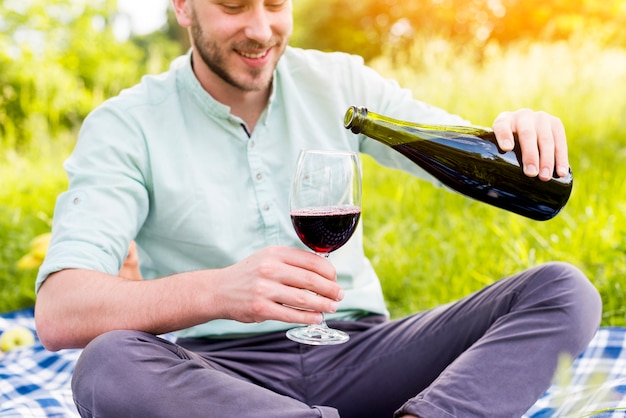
(182, 8)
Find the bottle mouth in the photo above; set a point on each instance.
(353, 118)
(348, 118)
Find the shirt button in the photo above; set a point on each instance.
(259, 176)
(266, 207)
(252, 144)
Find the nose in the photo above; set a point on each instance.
(259, 27)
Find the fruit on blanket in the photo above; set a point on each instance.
(38, 249)
(16, 337)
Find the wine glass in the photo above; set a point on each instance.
(325, 207)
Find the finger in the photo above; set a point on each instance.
(304, 280)
(560, 147)
(274, 301)
(304, 289)
(312, 282)
(527, 138)
(303, 259)
(314, 273)
(305, 300)
(503, 129)
(546, 145)
(297, 316)
(284, 313)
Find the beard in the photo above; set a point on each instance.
(215, 58)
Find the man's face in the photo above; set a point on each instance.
(241, 41)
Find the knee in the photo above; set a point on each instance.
(571, 285)
(575, 297)
(105, 363)
(101, 353)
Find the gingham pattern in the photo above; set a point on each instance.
(595, 385)
(36, 383)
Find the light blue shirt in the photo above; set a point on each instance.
(167, 165)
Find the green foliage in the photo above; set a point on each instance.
(428, 245)
(368, 27)
(59, 59)
(432, 246)
(29, 184)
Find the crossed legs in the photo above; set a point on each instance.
(492, 354)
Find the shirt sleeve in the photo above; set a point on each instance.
(107, 199)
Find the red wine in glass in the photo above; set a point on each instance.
(325, 229)
(325, 207)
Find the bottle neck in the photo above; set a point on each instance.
(389, 131)
(361, 121)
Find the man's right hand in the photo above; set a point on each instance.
(278, 283)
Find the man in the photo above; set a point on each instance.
(195, 166)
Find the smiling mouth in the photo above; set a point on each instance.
(253, 55)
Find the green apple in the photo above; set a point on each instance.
(16, 337)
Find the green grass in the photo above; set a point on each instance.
(29, 183)
(429, 245)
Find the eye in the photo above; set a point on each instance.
(276, 4)
(233, 8)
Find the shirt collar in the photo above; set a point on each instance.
(187, 79)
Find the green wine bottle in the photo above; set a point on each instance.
(467, 159)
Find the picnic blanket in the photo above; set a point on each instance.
(36, 383)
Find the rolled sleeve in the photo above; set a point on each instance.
(107, 199)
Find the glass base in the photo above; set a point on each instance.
(317, 335)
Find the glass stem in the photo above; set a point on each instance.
(321, 326)
(322, 323)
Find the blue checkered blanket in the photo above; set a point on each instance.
(36, 383)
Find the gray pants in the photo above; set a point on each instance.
(492, 354)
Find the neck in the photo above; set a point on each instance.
(248, 105)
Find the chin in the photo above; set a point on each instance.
(256, 84)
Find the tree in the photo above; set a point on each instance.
(368, 27)
(60, 59)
